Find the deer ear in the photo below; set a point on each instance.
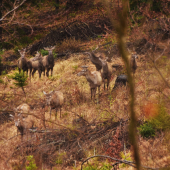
(19, 114)
(51, 92)
(44, 92)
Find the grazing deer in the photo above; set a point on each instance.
(120, 81)
(55, 100)
(94, 78)
(106, 71)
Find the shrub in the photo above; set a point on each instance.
(126, 157)
(31, 163)
(20, 80)
(104, 166)
(161, 120)
(146, 130)
(70, 45)
(43, 52)
(114, 147)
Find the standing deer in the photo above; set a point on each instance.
(23, 63)
(106, 71)
(94, 78)
(133, 63)
(36, 64)
(48, 61)
(55, 100)
(95, 60)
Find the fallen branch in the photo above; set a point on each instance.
(115, 159)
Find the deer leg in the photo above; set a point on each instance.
(104, 84)
(60, 112)
(56, 114)
(51, 71)
(108, 80)
(19, 70)
(95, 92)
(33, 72)
(99, 90)
(47, 73)
(44, 72)
(39, 71)
(91, 93)
(50, 112)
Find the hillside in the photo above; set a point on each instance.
(87, 127)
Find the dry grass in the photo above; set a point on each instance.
(149, 88)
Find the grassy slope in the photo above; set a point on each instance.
(77, 100)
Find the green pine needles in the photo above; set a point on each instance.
(20, 80)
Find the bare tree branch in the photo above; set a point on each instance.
(12, 10)
(119, 160)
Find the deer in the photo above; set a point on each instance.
(94, 78)
(133, 63)
(120, 81)
(36, 64)
(23, 63)
(23, 124)
(107, 71)
(55, 100)
(47, 61)
(23, 109)
(95, 60)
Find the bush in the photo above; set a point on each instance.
(31, 163)
(161, 120)
(70, 45)
(20, 80)
(43, 52)
(147, 130)
(104, 166)
(126, 157)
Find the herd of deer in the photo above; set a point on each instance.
(55, 99)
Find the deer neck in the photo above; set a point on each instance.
(89, 76)
(105, 67)
(50, 52)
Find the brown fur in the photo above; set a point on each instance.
(23, 124)
(107, 71)
(133, 63)
(36, 65)
(23, 109)
(95, 60)
(94, 78)
(55, 100)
